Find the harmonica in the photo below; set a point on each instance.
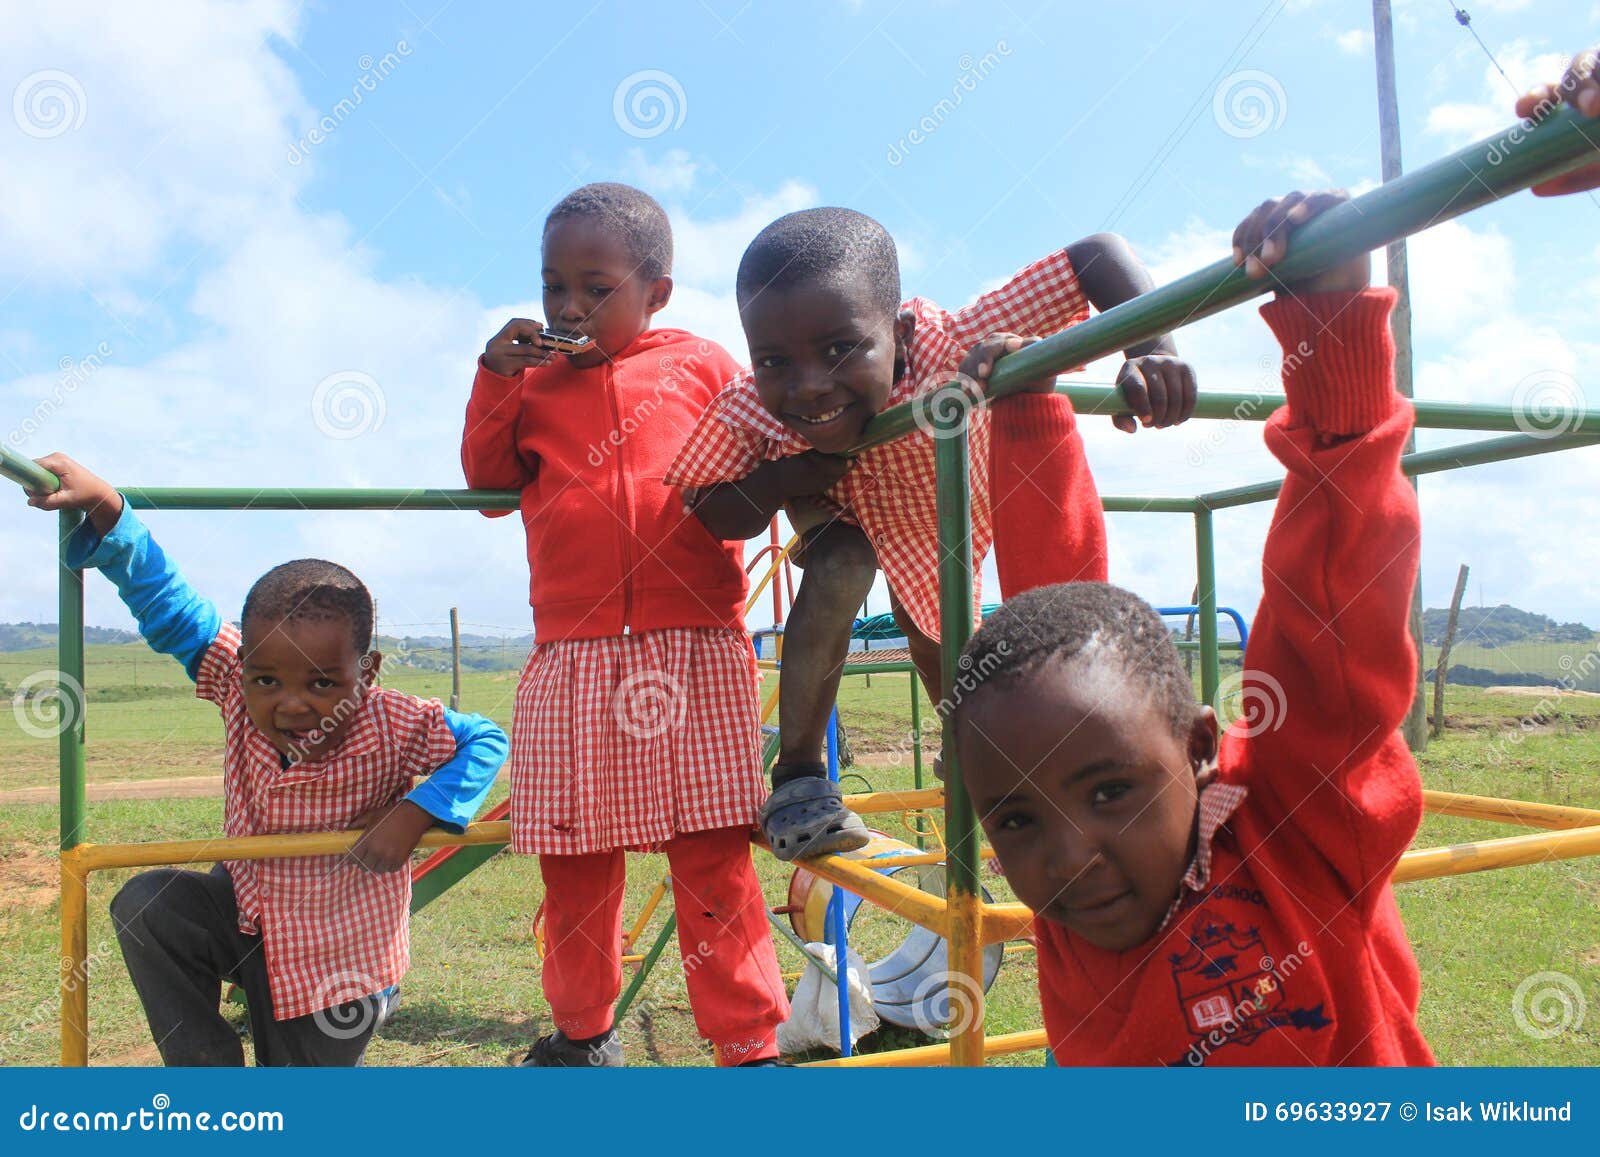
(561, 343)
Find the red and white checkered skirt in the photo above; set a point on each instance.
(629, 740)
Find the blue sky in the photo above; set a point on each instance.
(194, 289)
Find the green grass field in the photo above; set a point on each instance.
(473, 996)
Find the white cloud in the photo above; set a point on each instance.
(707, 252)
(1355, 42)
(673, 173)
(1460, 122)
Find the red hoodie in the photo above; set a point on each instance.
(610, 550)
(1291, 951)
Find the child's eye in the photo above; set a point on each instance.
(771, 362)
(324, 684)
(1013, 823)
(264, 681)
(549, 288)
(1110, 792)
(599, 291)
(841, 349)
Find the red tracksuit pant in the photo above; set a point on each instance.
(735, 989)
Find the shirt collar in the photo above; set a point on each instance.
(1217, 803)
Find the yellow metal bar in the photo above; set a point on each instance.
(895, 801)
(1002, 922)
(928, 1056)
(772, 571)
(643, 921)
(914, 859)
(769, 706)
(966, 978)
(886, 892)
(1459, 859)
(74, 959)
(98, 857)
(1510, 811)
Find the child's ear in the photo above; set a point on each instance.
(370, 663)
(1203, 740)
(660, 293)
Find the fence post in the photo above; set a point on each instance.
(1444, 652)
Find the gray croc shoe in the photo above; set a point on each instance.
(806, 817)
(558, 1051)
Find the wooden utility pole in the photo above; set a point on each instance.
(1415, 726)
(1444, 652)
(455, 660)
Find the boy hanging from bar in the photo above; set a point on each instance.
(832, 345)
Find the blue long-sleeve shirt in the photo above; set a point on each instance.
(176, 620)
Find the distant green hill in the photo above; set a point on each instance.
(31, 636)
(1498, 626)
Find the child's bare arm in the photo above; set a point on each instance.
(735, 511)
(1158, 384)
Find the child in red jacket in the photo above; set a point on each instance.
(831, 345)
(636, 719)
(1202, 902)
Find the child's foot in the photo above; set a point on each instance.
(765, 1063)
(806, 817)
(558, 1051)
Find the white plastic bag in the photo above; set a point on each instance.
(814, 1012)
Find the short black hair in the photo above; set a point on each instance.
(824, 244)
(1063, 621)
(632, 212)
(312, 589)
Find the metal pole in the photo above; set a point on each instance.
(455, 660)
(69, 652)
(1415, 726)
(963, 905)
(1205, 553)
(836, 923)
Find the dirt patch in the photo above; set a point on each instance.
(28, 878)
(144, 1056)
(182, 787)
(1539, 692)
(1591, 957)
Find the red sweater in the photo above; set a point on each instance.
(1292, 952)
(610, 550)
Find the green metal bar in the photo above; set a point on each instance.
(25, 472)
(1259, 407)
(1123, 504)
(788, 934)
(916, 734)
(450, 873)
(885, 668)
(1424, 462)
(1492, 168)
(1205, 551)
(314, 498)
(70, 660)
(645, 967)
(955, 623)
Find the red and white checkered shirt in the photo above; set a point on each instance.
(629, 740)
(890, 489)
(331, 930)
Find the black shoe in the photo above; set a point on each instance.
(557, 1051)
(765, 1063)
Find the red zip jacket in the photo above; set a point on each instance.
(1291, 951)
(610, 550)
